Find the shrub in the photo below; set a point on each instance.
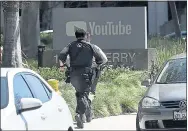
(47, 39)
(113, 90)
(166, 48)
(119, 90)
(45, 72)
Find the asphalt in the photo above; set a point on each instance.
(122, 122)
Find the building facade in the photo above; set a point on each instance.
(159, 16)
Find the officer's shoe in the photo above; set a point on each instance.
(79, 121)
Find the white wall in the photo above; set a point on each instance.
(157, 15)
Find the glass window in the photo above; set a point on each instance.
(47, 90)
(175, 71)
(37, 87)
(21, 89)
(4, 92)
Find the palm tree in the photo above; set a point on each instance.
(11, 47)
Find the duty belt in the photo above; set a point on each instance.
(87, 69)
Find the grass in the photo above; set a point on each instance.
(118, 90)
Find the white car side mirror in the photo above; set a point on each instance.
(146, 83)
(30, 104)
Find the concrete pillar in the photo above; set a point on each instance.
(157, 15)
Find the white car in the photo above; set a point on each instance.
(28, 102)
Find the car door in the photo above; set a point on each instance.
(47, 110)
(30, 117)
(58, 112)
(62, 114)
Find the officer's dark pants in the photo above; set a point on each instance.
(82, 90)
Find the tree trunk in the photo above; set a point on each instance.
(11, 48)
(2, 19)
(175, 18)
(47, 8)
(30, 29)
(47, 16)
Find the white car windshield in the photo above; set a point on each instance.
(175, 71)
(4, 92)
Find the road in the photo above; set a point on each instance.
(122, 122)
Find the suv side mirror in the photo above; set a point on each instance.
(146, 83)
(30, 104)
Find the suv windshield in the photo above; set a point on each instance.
(175, 71)
(4, 92)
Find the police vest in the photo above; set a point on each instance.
(81, 54)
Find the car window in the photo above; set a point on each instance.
(47, 90)
(175, 71)
(4, 92)
(21, 89)
(37, 86)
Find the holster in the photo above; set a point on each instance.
(67, 75)
(87, 75)
(98, 72)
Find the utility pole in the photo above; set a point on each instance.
(175, 19)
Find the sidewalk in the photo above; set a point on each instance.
(122, 122)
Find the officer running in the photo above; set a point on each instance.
(81, 55)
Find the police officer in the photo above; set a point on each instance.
(81, 55)
(96, 74)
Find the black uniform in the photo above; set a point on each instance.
(95, 78)
(81, 56)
